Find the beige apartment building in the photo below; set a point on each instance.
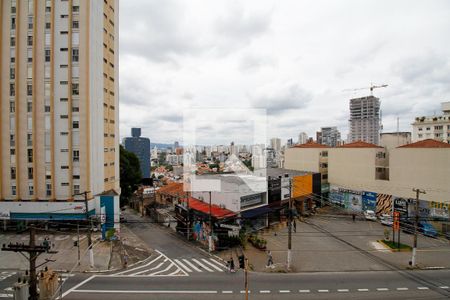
(59, 103)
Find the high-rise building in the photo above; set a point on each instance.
(58, 104)
(302, 138)
(330, 136)
(365, 120)
(140, 146)
(275, 144)
(433, 127)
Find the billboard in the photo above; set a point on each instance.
(302, 185)
(369, 201)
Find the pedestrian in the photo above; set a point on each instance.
(125, 260)
(231, 264)
(269, 259)
(353, 217)
(295, 226)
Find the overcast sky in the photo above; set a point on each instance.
(292, 58)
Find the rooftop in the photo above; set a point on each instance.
(216, 211)
(275, 172)
(359, 144)
(428, 143)
(311, 145)
(172, 189)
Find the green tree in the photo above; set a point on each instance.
(130, 174)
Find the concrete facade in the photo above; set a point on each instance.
(365, 120)
(433, 127)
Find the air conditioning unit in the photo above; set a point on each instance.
(222, 206)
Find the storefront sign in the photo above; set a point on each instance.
(5, 215)
(251, 200)
(232, 227)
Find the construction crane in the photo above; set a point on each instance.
(371, 88)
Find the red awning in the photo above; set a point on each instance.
(216, 211)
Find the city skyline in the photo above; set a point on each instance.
(249, 56)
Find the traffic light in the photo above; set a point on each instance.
(241, 261)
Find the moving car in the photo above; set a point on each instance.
(428, 229)
(386, 219)
(370, 215)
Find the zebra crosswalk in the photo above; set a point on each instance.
(159, 264)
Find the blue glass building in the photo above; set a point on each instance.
(141, 147)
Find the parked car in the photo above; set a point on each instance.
(386, 219)
(428, 229)
(370, 215)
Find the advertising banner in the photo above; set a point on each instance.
(369, 201)
(302, 185)
(384, 204)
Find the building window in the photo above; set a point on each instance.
(47, 55)
(12, 89)
(13, 173)
(48, 25)
(30, 173)
(76, 155)
(12, 151)
(64, 184)
(12, 73)
(64, 167)
(48, 189)
(12, 107)
(420, 128)
(76, 177)
(30, 40)
(47, 108)
(30, 155)
(75, 8)
(75, 124)
(324, 176)
(13, 190)
(12, 41)
(29, 90)
(29, 139)
(75, 89)
(30, 190)
(428, 128)
(12, 140)
(63, 99)
(64, 116)
(76, 189)
(30, 22)
(75, 24)
(29, 107)
(75, 54)
(75, 109)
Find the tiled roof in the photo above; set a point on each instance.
(172, 189)
(216, 211)
(311, 145)
(359, 144)
(428, 143)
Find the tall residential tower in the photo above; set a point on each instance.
(365, 120)
(59, 103)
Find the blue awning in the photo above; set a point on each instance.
(251, 213)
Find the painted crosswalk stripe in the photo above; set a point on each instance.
(6, 295)
(212, 265)
(264, 292)
(215, 262)
(422, 288)
(402, 289)
(140, 267)
(304, 291)
(363, 290)
(323, 291)
(444, 287)
(227, 292)
(182, 265)
(202, 265)
(154, 268)
(243, 292)
(192, 265)
(382, 289)
(166, 269)
(343, 290)
(284, 291)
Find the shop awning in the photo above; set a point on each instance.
(251, 213)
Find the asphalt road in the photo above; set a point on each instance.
(431, 284)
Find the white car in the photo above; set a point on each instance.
(386, 219)
(370, 215)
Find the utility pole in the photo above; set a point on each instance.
(188, 217)
(246, 278)
(416, 225)
(33, 251)
(78, 242)
(90, 250)
(210, 225)
(289, 254)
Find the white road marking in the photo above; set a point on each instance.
(343, 290)
(264, 292)
(402, 289)
(77, 286)
(382, 289)
(243, 292)
(166, 269)
(219, 264)
(182, 265)
(140, 267)
(6, 295)
(284, 291)
(154, 268)
(444, 287)
(192, 265)
(227, 292)
(212, 265)
(363, 290)
(323, 291)
(202, 265)
(304, 291)
(423, 288)
(142, 292)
